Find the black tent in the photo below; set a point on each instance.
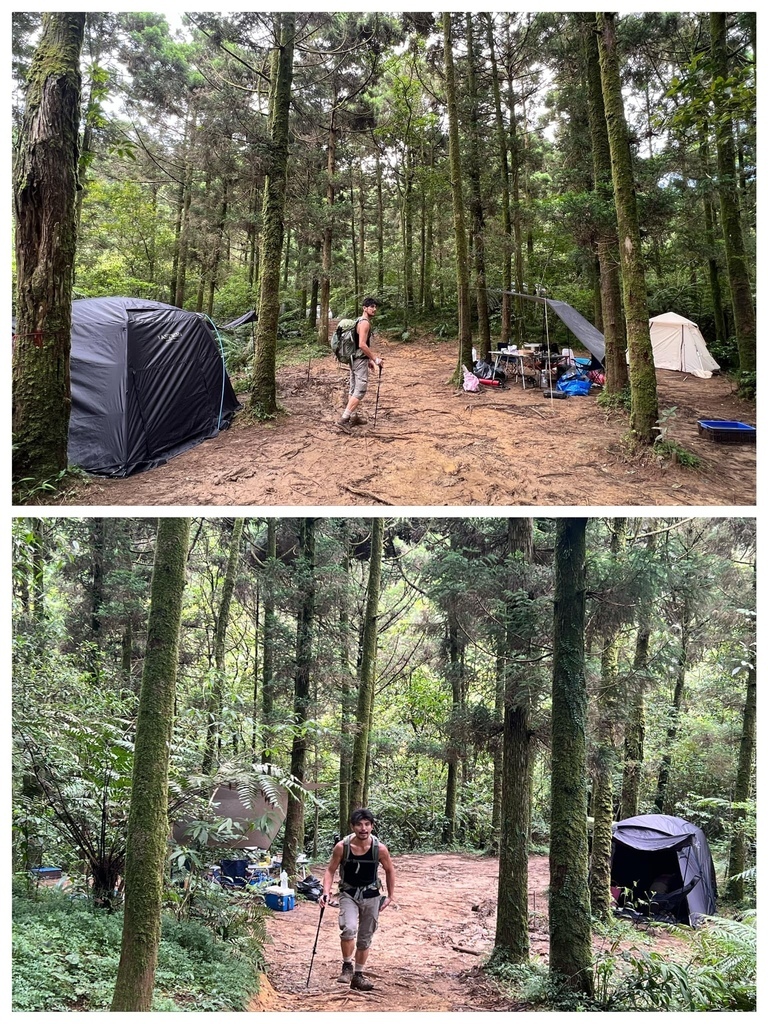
(148, 382)
(666, 863)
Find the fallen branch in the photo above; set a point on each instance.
(463, 949)
(365, 494)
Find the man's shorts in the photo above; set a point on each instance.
(358, 918)
(358, 377)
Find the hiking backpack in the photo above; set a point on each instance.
(344, 340)
(345, 858)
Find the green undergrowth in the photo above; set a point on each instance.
(66, 955)
(713, 969)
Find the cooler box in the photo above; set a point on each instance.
(279, 899)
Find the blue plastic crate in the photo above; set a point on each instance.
(728, 431)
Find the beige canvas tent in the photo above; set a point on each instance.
(678, 345)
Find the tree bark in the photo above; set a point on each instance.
(512, 942)
(735, 256)
(644, 409)
(222, 621)
(605, 756)
(476, 201)
(737, 859)
(612, 315)
(570, 936)
(45, 188)
(506, 223)
(263, 385)
(460, 234)
(268, 648)
(367, 668)
(293, 840)
(147, 845)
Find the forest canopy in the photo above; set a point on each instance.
(176, 150)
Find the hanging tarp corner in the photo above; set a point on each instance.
(148, 382)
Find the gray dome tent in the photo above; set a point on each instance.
(148, 381)
(666, 863)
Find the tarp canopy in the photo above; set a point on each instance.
(247, 318)
(666, 864)
(148, 382)
(678, 344)
(589, 336)
(227, 802)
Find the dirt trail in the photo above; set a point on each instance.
(436, 445)
(426, 953)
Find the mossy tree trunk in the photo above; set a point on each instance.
(476, 199)
(263, 386)
(367, 668)
(268, 647)
(735, 255)
(506, 224)
(644, 408)
(45, 188)
(328, 213)
(219, 640)
(665, 766)
(511, 941)
(604, 762)
(293, 839)
(347, 705)
(459, 229)
(612, 314)
(737, 859)
(570, 936)
(147, 844)
(634, 729)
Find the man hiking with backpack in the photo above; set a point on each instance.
(351, 344)
(357, 857)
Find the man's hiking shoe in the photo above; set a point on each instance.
(357, 420)
(360, 982)
(345, 424)
(347, 970)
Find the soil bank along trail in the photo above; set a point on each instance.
(435, 445)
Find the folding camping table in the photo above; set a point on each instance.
(522, 360)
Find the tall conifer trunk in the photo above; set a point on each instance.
(460, 233)
(263, 386)
(511, 941)
(45, 186)
(367, 668)
(147, 847)
(735, 256)
(570, 932)
(644, 410)
(293, 839)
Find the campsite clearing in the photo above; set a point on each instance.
(436, 445)
(430, 943)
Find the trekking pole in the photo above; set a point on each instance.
(317, 936)
(378, 388)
